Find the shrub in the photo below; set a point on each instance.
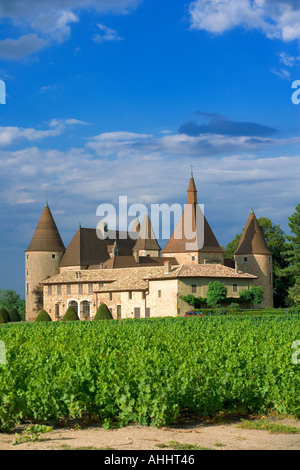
(70, 315)
(5, 314)
(103, 313)
(2, 319)
(14, 315)
(221, 311)
(216, 293)
(43, 316)
(253, 295)
(294, 310)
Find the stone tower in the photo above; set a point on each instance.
(42, 258)
(193, 241)
(254, 257)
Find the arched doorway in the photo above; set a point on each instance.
(85, 310)
(74, 304)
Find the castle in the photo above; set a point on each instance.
(132, 275)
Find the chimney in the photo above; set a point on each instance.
(167, 265)
(236, 267)
(101, 265)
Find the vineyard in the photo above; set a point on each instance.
(148, 371)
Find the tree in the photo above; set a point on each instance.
(9, 299)
(103, 313)
(253, 295)
(277, 243)
(14, 315)
(216, 294)
(232, 246)
(70, 315)
(5, 314)
(292, 253)
(43, 316)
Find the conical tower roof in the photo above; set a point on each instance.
(252, 240)
(46, 236)
(146, 239)
(180, 241)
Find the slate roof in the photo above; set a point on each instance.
(146, 239)
(46, 236)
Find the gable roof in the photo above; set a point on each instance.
(46, 236)
(252, 240)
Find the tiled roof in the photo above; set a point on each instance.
(252, 240)
(46, 236)
(125, 279)
(146, 239)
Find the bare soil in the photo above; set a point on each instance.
(224, 436)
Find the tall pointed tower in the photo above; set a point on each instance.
(193, 241)
(253, 256)
(42, 258)
(146, 244)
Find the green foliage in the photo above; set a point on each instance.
(253, 295)
(216, 293)
(103, 313)
(43, 316)
(295, 310)
(277, 243)
(70, 315)
(2, 319)
(196, 302)
(148, 371)
(14, 315)
(232, 246)
(10, 299)
(5, 314)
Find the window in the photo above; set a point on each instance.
(245, 258)
(78, 274)
(137, 312)
(129, 295)
(234, 287)
(193, 258)
(159, 293)
(57, 311)
(27, 288)
(270, 278)
(59, 289)
(27, 256)
(80, 288)
(53, 256)
(270, 259)
(85, 309)
(74, 304)
(119, 311)
(27, 273)
(90, 288)
(69, 289)
(194, 289)
(147, 313)
(100, 284)
(143, 294)
(49, 290)
(110, 296)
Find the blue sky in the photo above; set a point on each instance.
(121, 97)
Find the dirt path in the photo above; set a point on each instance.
(217, 437)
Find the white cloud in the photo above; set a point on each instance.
(107, 34)
(13, 49)
(278, 19)
(47, 22)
